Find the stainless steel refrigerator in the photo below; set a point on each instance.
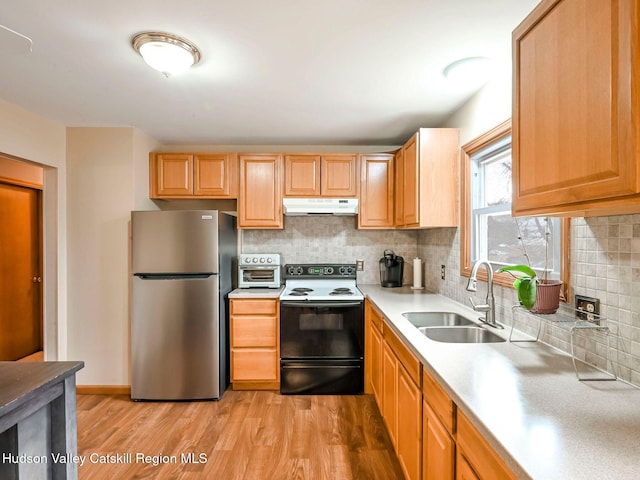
(183, 265)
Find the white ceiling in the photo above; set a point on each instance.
(299, 72)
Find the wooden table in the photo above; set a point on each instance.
(38, 428)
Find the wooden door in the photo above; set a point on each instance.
(409, 421)
(438, 459)
(376, 191)
(575, 130)
(339, 176)
(302, 175)
(411, 198)
(20, 272)
(463, 469)
(260, 199)
(171, 175)
(215, 175)
(376, 364)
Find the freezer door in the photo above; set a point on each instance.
(175, 339)
(175, 241)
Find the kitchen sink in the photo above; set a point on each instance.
(436, 319)
(460, 335)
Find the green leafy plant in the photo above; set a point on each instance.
(525, 284)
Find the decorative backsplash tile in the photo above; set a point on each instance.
(333, 240)
(605, 264)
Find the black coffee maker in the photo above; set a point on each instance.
(391, 269)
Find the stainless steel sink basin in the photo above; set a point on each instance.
(436, 319)
(460, 335)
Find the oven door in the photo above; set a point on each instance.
(321, 330)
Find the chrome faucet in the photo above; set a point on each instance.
(489, 307)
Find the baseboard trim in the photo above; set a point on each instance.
(103, 390)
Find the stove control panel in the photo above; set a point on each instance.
(320, 271)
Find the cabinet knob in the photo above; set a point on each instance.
(36, 279)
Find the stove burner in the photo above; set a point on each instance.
(341, 291)
(295, 293)
(302, 289)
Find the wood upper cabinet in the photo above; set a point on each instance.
(254, 335)
(427, 180)
(576, 133)
(331, 175)
(260, 199)
(185, 175)
(376, 191)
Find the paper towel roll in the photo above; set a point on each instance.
(417, 274)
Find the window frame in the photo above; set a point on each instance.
(504, 279)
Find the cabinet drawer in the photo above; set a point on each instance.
(375, 315)
(408, 360)
(254, 365)
(253, 331)
(478, 452)
(254, 307)
(438, 399)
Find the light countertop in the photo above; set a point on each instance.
(256, 293)
(525, 397)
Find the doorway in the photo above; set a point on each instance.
(21, 331)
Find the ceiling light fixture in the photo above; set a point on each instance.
(472, 71)
(165, 52)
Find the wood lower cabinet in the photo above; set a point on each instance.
(576, 108)
(409, 430)
(255, 353)
(478, 453)
(432, 438)
(438, 448)
(428, 180)
(376, 191)
(326, 175)
(189, 175)
(260, 200)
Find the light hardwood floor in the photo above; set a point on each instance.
(246, 435)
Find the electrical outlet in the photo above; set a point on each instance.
(588, 308)
(442, 272)
(359, 265)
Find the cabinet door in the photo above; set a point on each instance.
(339, 176)
(260, 201)
(376, 192)
(253, 331)
(409, 425)
(376, 365)
(389, 391)
(215, 175)
(254, 365)
(171, 175)
(411, 197)
(464, 470)
(399, 189)
(575, 130)
(438, 448)
(302, 175)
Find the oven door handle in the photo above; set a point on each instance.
(313, 304)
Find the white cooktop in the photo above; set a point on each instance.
(322, 290)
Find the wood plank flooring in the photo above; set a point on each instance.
(247, 435)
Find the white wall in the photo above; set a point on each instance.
(33, 138)
(106, 180)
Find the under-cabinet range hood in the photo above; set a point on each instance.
(320, 206)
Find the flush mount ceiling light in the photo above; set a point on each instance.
(165, 52)
(471, 71)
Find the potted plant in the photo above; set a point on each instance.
(540, 295)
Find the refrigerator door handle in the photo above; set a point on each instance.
(173, 276)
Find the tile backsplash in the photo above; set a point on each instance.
(333, 240)
(605, 264)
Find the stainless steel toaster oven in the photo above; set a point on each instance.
(259, 270)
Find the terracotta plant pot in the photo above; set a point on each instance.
(547, 296)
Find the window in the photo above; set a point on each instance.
(488, 229)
